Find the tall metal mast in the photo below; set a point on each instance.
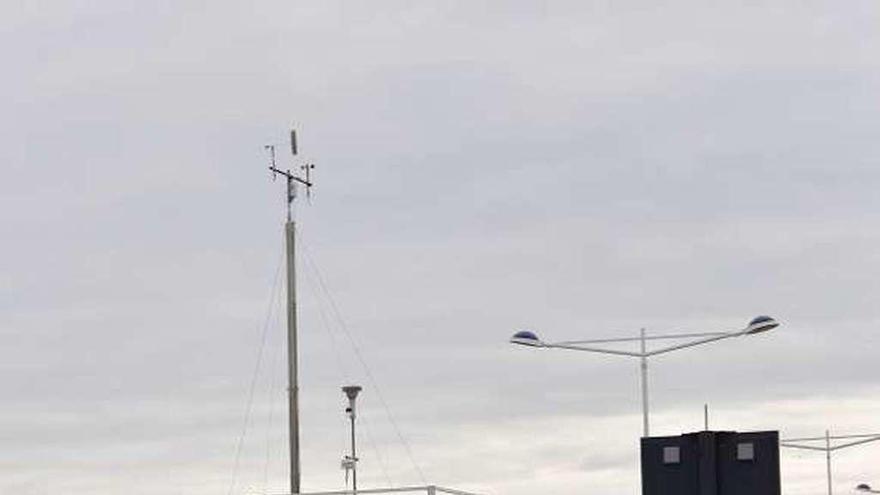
(292, 351)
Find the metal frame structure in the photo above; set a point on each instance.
(428, 490)
(756, 325)
(809, 443)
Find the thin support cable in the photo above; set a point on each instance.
(253, 382)
(375, 446)
(342, 370)
(273, 384)
(360, 358)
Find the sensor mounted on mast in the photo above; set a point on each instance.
(292, 180)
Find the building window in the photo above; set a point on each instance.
(671, 455)
(745, 451)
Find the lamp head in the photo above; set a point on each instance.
(352, 391)
(761, 324)
(527, 338)
(864, 488)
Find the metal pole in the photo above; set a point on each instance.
(354, 471)
(828, 458)
(644, 358)
(292, 358)
(706, 416)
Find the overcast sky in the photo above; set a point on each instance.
(580, 168)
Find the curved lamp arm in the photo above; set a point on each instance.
(693, 343)
(578, 347)
(757, 325)
(706, 338)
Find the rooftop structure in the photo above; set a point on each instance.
(712, 463)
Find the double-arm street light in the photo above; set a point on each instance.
(757, 325)
(826, 444)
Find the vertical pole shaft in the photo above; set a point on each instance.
(354, 470)
(706, 416)
(292, 358)
(828, 458)
(645, 426)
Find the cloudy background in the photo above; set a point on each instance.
(582, 168)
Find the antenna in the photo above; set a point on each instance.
(706, 416)
(271, 148)
(292, 179)
(307, 168)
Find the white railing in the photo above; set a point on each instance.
(429, 490)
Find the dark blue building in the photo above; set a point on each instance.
(712, 463)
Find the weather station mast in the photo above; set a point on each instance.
(293, 181)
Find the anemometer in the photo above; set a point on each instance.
(292, 180)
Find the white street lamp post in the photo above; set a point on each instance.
(828, 448)
(757, 325)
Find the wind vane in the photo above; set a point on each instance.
(292, 179)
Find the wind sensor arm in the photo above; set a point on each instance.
(292, 180)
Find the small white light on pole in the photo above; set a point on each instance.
(349, 462)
